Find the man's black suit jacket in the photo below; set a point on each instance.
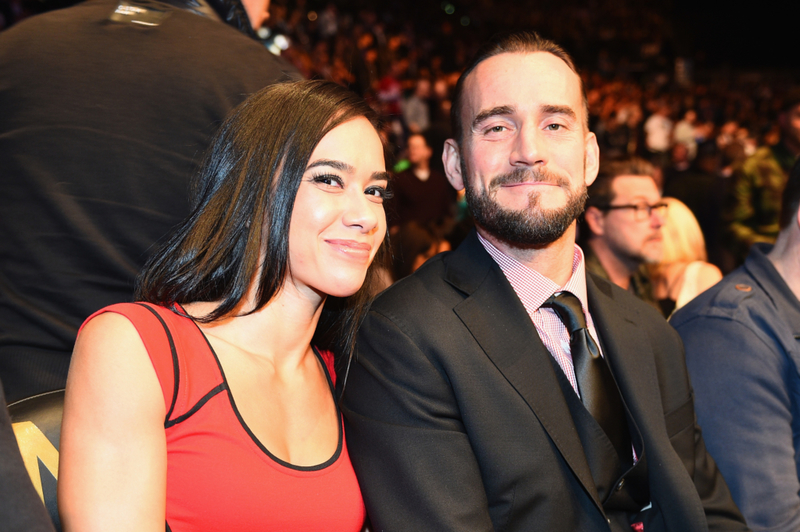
(456, 421)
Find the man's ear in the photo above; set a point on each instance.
(451, 157)
(591, 162)
(595, 220)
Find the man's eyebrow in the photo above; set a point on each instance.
(558, 110)
(339, 165)
(488, 113)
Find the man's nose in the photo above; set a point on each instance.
(657, 217)
(530, 147)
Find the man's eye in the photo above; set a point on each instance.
(496, 129)
(554, 127)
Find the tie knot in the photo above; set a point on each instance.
(568, 307)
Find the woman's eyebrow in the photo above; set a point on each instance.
(339, 165)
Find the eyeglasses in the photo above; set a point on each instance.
(641, 211)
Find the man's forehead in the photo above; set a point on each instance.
(521, 78)
(633, 186)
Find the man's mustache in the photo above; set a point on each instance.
(527, 175)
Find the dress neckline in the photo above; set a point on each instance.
(340, 444)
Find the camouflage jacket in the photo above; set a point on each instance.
(753, 204)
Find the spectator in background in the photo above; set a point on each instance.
(754, 199)
(683, 273)
(621, 232)
(701, 192)
(658, 135)
(105, 109)
(421, 193)
(412, 245)
(416, 109)
(743, 357)
(684, 133)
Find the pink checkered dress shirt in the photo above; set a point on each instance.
(533, 289)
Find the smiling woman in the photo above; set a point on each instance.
(209, 405)
(339, 191)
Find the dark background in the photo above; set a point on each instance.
(711, 33)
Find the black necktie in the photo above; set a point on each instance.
(598, 391)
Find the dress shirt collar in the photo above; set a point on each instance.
(533, 288)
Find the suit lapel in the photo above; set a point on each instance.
(501, 326)
(627, 349)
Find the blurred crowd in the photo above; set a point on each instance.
(650, 94)
(696, 122)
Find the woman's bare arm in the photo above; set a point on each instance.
(113, 459)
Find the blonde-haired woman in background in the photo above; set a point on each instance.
(683, 272)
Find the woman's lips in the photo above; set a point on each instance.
(351, 248)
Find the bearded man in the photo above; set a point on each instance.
(622, 225)
(501, 388)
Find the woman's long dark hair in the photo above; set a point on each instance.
(242, 205)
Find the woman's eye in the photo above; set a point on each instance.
(379, 192)
(328, 179)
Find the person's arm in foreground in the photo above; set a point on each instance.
(744, 406)
(113, 464)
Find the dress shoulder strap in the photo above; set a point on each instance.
(327, 358)
(181, 357)
(157, 340)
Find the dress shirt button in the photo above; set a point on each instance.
(621, 484)
(608, 520)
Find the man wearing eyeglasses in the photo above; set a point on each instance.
(621, 232)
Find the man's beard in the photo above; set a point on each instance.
(531, 226)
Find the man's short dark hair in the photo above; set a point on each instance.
(790, 201)
(503, 43)
(601, 193)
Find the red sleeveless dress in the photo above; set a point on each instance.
(219, 476)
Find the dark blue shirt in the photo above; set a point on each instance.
(742, 353)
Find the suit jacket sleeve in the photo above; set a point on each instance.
(745, 408)
(409, 448)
